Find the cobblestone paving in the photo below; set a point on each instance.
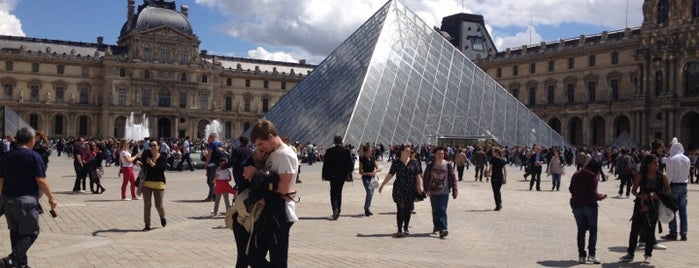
(534, 229)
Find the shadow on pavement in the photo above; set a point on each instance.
(618, 249)
(115, 231)
(479, 210)
(105, 200)
(566, 263)
(626, 264)
(315, 218)
(190, 201)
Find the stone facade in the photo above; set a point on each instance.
(591, 89)
(89, 89)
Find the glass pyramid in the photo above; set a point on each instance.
(396, 80)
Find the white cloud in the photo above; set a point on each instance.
(9, 23)
(517, 40)
(316, 27)
(261, 53)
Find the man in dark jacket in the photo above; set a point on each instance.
(536, 160)
(337, 167)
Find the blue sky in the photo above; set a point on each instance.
(290, 30)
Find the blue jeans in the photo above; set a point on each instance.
(680, 194)
(556, 179)
(586, 219)
(369, 193)
(439, 211)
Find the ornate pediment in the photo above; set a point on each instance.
(166, 32)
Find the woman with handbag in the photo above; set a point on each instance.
(154, 184)
(368, 168)
(439, 181)
(649, 180)
(126, 163)
(406, 187)
(555, 169)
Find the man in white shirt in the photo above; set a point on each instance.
(677, 170)
(283, 161)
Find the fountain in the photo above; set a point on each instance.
(134, 131)
(214, 127)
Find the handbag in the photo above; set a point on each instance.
(139, 181)
(374, 183)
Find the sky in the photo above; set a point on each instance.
(291, 30)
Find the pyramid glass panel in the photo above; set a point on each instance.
(396, 80)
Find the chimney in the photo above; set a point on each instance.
(302, 61)
(184, 10)
(100, 40)
(130, 14)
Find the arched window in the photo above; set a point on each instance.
(58, 125)
(663, 10)
(691, 79)
(532, 96)
(34, 121)
(82, 125)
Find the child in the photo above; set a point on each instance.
(222, 186)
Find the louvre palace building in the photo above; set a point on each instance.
(643, 81)
(69, 89)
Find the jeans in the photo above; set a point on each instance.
(369, 193)
(479, 172)
(210, 175)
(626, 179)
(680, 194)
(439, 204)
(80, 176)
(586, 220)
(336, 186)
(536, 177)
(556, 179)
(460, 170)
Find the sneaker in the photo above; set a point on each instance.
(581, 260)
(626, 258)
(647, 260)
(126, 199)
(398, 235)
(163, 222)
(443, 234)
(593, 259)
(669, 237)
(683, 237)
(137, 198)
(659, 246)
(406, 232)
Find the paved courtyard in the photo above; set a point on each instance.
(534, 229)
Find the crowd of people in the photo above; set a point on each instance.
(266, 172)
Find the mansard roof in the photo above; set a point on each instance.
(51, 46)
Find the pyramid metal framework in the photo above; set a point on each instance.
(396, 80)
